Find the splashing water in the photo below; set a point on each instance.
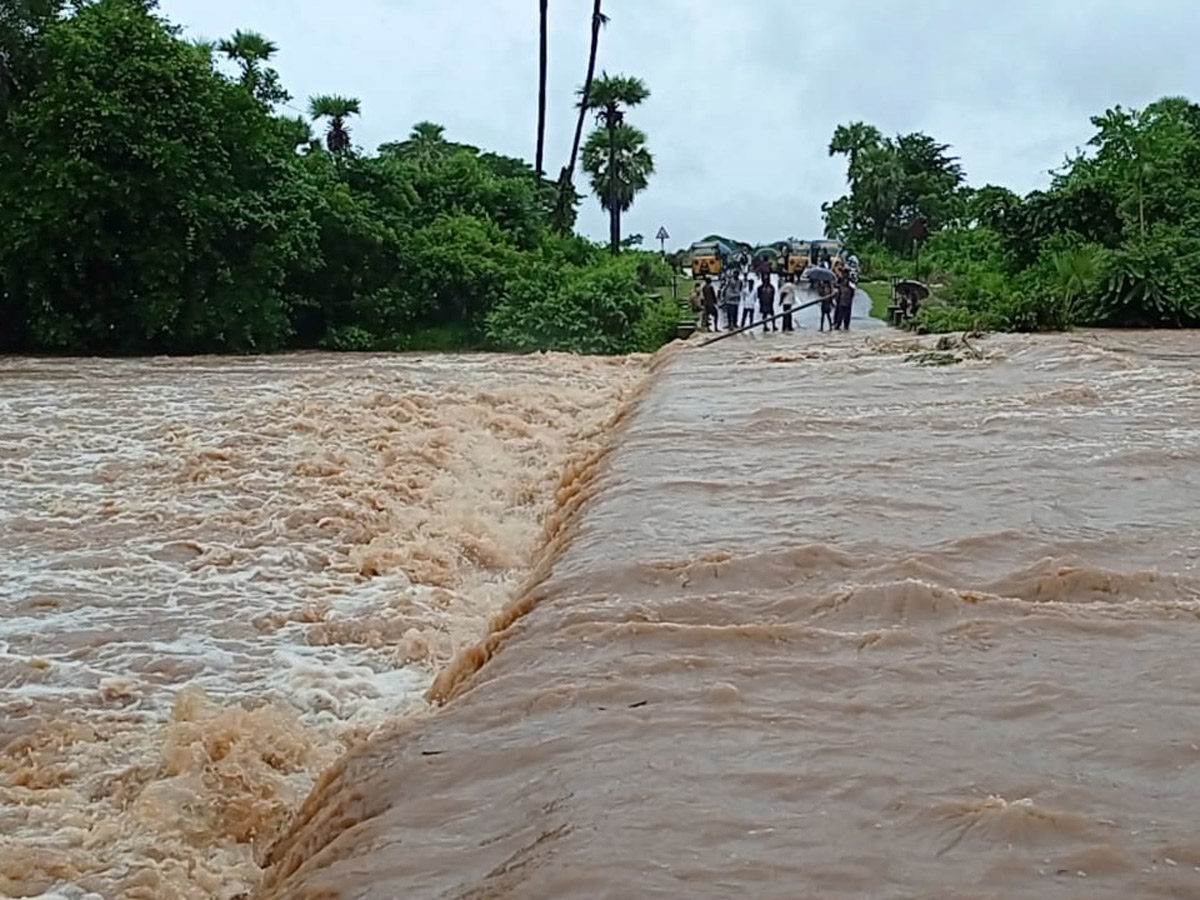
(222, 573)
(826, 622)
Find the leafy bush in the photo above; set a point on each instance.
(600, 308)
(1151, 283)
(658, 325)
(348, 337)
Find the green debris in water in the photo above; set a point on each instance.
(934, 358)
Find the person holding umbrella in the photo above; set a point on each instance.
(826, 305)
(821, 280)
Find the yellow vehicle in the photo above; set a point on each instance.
(708, 258)
(798, 257)
(833, 248)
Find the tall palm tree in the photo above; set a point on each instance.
(611, 95)
(542, 65)
(566, 180)
(337, 110)
(619, 167)
(248, 49)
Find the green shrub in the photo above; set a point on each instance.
(600, 308)
(348, 338)
(658, 325)
(1153, 283)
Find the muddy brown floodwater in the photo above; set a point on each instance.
(219, 574)
(826, 623)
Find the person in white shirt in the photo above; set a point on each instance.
(787, 299)
(749, 303)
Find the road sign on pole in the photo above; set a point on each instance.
(663, 237)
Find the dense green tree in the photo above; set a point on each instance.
(22, 23)
(151, 203)
(892, 181)
(158, 212)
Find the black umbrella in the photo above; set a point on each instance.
(912, 289)
(818, 274)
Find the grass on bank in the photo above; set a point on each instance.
(880, 293)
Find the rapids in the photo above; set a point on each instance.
(792, 616)
(219, 574)
(826, 622)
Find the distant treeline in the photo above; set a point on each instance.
(150, 203)
(1112, 242)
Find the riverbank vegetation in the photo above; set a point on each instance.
(161, 196)
(1112, 241)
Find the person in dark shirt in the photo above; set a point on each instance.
(845, 304)
(709, 294)
(827, 293)
(766, 303)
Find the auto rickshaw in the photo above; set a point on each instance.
(799, 254)
(833, 248)
(708, 258)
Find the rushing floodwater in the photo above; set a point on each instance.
(220, 573)
(825, 622)
(832, 624)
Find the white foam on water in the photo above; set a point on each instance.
(219, 574)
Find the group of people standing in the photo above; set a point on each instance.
(739, 295)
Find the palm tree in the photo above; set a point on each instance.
(609, 97)
(1076, 274)
(248, 49)
(337, 110)
(542, 64)
(426, 143)
(619, 167)
(567, 178)
(853, 139)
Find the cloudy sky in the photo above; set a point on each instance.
(745, 95)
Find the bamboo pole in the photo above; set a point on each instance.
(779, 315)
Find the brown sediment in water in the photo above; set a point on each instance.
(223, 573)
(575, 488)
(851, 627)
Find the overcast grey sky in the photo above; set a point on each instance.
(744, 95)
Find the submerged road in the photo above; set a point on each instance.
(830, 624)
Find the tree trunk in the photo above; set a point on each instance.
(597, 22)
(1142, 208)
(614, 209)
(542, 65)
(568, 177)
